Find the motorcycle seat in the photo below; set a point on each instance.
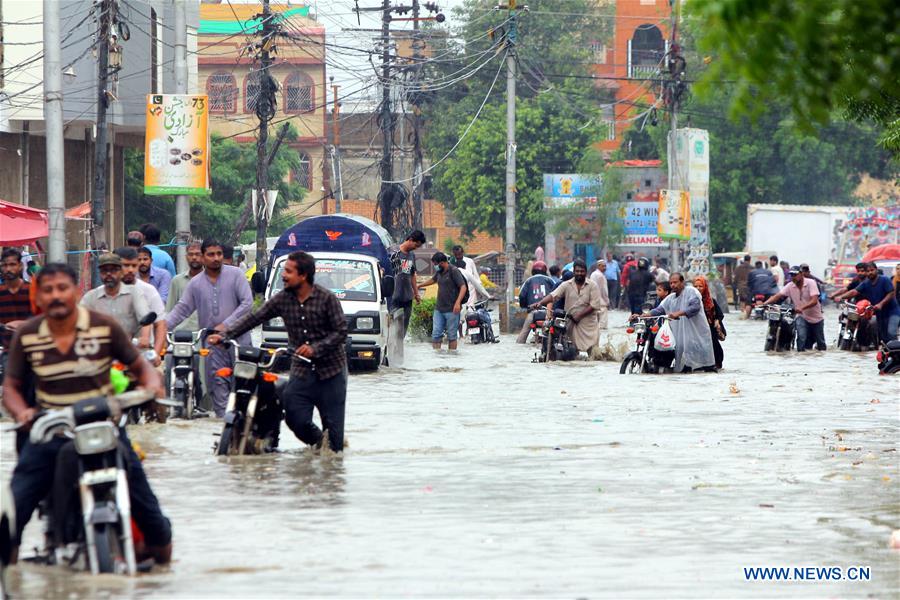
(893, 345)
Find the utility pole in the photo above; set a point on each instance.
(418, 180)
(510, 162)
(98, 197)
(265, 110)
(182, 204)
(53, 116)
(673, 95)
(338, 184)
(385, 197)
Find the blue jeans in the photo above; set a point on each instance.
(887, 326)
(444, 322)
(809, 332)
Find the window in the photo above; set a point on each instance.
(647, 183)
(645, 52)
(222, 91)
(303, 173)
(251, 92)
(298, 93)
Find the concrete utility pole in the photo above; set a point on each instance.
(674, 245)
(385, 196)
(53, 117)
(182, 204)
(338, 185)
(98, 198)
(265, 110)
(510, 163)
(418, 181)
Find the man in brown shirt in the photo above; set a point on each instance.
(317, 328)
(68, 351)
(15, 304)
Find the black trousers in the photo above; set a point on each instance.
(328, 396)
(34, 474)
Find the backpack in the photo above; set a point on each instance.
(465, 283)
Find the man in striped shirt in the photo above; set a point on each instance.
(68, 352)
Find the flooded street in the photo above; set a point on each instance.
(484, 475)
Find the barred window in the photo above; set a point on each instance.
(251, 92)
(303, 173)
(298, 93)
(222, 91)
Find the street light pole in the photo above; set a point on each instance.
(56, 187)
(182, 204)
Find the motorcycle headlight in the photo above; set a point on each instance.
(773, 316)
(95, 438)
(276, 322)
(244, 370)
(365, 323)
(182, 350)
(560, 322)
(640, 327)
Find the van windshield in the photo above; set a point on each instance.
(348, 279)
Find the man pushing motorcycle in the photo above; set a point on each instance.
(68, 351)
(582, 301)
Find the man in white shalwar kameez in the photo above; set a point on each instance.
(693, 344)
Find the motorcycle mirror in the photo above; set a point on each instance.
(148, 319)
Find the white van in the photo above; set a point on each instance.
(355, 279)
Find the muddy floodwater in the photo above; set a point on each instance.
(484, 475)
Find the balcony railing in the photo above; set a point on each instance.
(643, 71)
(608, 130)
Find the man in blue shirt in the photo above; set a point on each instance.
(879, 290)
(161, 258)
(613, 272)
(531, 291)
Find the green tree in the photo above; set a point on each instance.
(556, 111)
(819, 56)
(232, 177)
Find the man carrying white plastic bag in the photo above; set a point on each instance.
(688, 325)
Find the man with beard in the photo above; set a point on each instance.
(15, 302)
(130, 269)
(68, 352)
(180, 281)
(158, 278)
(693, 344)
(879, 291)
(582, 302)
(161, 258)
(316, 327)
(220, 296)
(116, 299)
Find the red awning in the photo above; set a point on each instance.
(883, 252)
(21, 224)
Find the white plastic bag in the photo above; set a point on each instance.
(665, 339)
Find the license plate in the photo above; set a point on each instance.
(99, 476)
(774, 316)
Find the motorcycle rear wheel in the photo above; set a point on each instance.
(108, 546)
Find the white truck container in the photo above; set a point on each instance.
(797, 233)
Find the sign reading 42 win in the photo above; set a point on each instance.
(176, 151)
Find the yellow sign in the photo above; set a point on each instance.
(176, 150)
(674, 215)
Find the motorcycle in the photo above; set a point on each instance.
(780, 333)
(538, 317)
(182, 386)
(478, 325)
(93, 530)
(888, 358)
(555, 341)
(645, 358)
(858, 331)
(758, 311)
(253, 415)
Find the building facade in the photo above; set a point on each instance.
(141, 59)
(228, 74)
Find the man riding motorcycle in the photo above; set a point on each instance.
(534, 289)
(582, 301)
(879, 291)
(67, 352)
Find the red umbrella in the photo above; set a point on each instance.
(883, 252)
(21, 224)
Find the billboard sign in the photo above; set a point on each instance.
(176, 148)
(674, 215)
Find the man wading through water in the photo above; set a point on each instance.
(316, 327)
(405, 291)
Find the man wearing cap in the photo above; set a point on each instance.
(113, 298)
(599, 277)
(804, 294)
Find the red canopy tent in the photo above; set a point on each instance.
(883, 252)
(20, 225)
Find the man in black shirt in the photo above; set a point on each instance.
(451, 294)
(405, 290)
(316, 327)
